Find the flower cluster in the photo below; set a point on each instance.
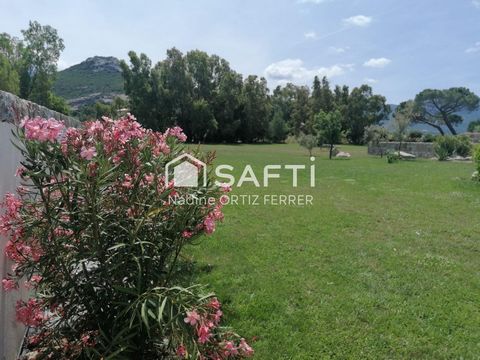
(93, 230)
(213, 344)
(42, 130)
(31, 312)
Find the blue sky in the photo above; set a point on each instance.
(398, 47)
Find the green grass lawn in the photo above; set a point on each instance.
(385, 264)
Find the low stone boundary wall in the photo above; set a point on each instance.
(419, 149)
(13, 109)
(474, 136)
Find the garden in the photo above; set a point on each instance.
(306, 202)
(383, 262)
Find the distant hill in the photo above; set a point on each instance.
(461, 128)
(98, 78)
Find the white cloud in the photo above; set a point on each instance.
(293, 70)
(377, 63)
(475, 48)
(338, 50)
(476, 3)
(370, 80)
(358, 20)
(310, 35)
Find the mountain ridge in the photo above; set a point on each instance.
(98, 78)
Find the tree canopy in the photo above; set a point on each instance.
(439, 108)
(28, 66)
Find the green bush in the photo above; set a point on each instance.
(476, 157)
(447, 146)
(464, 146)
(393, 156)
(444, 147)
(414, 136)
(428, 137)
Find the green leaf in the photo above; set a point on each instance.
(160, 310)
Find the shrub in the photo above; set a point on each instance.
(464, 146)
(392, 156)
(474, 126)
(447, 146)
(414, 136)
(444, 147)
(291, 139)
(374, 135)
(97, 232)
(427, 137)
(476, 158)
(308, 141)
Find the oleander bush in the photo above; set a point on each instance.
(96, 234)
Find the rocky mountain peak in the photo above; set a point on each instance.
(107, 64)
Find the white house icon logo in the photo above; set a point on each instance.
(185, 171)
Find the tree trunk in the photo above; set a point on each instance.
(450, 127)
(438, 127)
(331, 151)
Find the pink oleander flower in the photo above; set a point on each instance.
(176, 132)
(230, 349)
(217, 317)
(225, 188)
(127, 129)
(34, 281)
(30, 313)
(42, 129)
(88, 153)
(12, 204)
(214, 303)
(128, 182)
(187, 234)
(36, 278)
(203, 333)
(209, 225)
(9, 284)
(35, 339)
(94, 127)
(181, 352)
(192, 318)
(149, 178)
(87, 339)
(245, 349)
(217, 213)
(224, 199)
(20, 171)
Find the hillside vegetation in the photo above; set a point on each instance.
(95, 79)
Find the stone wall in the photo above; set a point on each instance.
(12, 111)
(474, 136)
(419, 149)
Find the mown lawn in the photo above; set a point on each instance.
(385, 264)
